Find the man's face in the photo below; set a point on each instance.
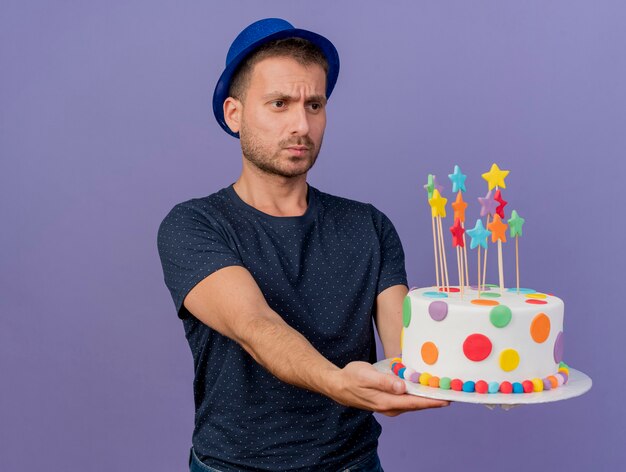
(283, 116)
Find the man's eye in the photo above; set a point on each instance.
(278, 103)
(316, 106)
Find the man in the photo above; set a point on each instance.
(277, 283)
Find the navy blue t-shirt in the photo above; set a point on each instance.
(321, 272)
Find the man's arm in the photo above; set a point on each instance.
(230, 302)
(389, 319)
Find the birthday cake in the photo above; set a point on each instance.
(506, 342)
(481, 338)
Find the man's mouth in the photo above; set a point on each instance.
(298, 150)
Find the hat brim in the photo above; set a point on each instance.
(220, 94)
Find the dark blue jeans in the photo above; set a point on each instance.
(370, 464)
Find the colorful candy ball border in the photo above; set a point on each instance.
(481, 386)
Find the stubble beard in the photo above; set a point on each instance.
(271, 163)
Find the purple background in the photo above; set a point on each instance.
(105, 124)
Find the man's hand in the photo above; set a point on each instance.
(360, 385)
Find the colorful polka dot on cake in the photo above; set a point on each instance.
(483, 302)
(558, 348)
(522, 290)
(536, 302)
(424, 378)
(482, 288)
(456, 385)
(438, 310)
(509, 360)
(553, 382)
(430, 353)
(407, 373)
(500, 316)
(481, 387)
(540, 328)
(406, 312)
(477, 347)
(506, 387)
(469, 386)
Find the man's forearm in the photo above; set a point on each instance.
(389, 319)
(287, 354)
(230, 302)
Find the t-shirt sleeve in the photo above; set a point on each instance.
(191, 247)
(392, 270)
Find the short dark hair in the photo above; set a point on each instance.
(301, 50)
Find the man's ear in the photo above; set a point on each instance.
(232, 113)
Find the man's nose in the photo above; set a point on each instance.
(299, 121)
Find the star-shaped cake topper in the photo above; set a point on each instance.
(502, 203)
(498, 229)
(431, 185)
(438, 204)
(459, 207)
(515, 224)
(458, 180)
(495, 177)
(457, 233)
(478, 234)
(488, 204)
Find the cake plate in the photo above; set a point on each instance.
(577, 384)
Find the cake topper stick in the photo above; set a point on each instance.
(430, 188)
(500, 267)
(440, 256)
(515, 225)
(498, 233)
(465, 259)
(488, 206)
(479, 272)
(438, 210)
(457, 242)
(462, 269)
(436, 252)
(459, 206)
(479, 237)
(485, 261)
(517, 262)
(443, 253)
(458, 267)
(495, 179)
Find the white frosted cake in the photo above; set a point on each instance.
(500, 341)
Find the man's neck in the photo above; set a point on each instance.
(273, 194)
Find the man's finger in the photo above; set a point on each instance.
(404, 403)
